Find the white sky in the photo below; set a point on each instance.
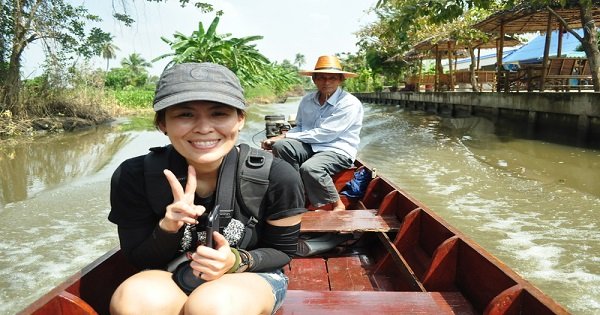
(309, 27)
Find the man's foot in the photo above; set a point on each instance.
(339, 206)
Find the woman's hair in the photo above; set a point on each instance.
(159, 117)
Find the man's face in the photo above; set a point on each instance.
(327, 83)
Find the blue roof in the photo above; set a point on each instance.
(468, 59)
(533, 52)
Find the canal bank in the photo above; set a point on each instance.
(576, 115)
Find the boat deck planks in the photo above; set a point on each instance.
(308, 274)
(348, 273)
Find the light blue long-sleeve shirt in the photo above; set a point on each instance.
(334, 126)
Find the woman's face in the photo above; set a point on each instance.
(203, 132)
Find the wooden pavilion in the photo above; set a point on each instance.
(452, 49)
(524, 19)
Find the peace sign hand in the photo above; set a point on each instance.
(182, 210)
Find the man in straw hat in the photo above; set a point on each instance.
(326, 137)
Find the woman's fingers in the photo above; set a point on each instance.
(176, 187)
(212, 263)
(220, 241)
(190, 187)
(182, 211)
(183, 208)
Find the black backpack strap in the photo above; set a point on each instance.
(226, 187)
(253, 180)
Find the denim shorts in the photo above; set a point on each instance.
(279, 283)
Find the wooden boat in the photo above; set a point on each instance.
(400, 258)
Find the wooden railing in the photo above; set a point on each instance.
(562, 74)
(482, 76)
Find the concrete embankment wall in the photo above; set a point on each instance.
(577, 113)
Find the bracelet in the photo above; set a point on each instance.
(236, 264)
(246, 261)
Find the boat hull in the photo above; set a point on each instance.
(399, 257)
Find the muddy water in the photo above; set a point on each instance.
(535, 205)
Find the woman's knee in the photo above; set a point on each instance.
(232, 294)
(148, 292)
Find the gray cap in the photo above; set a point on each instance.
(187, 82)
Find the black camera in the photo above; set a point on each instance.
(182, 271)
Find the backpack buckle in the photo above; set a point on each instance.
(255, 161)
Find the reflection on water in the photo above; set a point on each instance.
(54, 207)
(533, 204)
(48, 161)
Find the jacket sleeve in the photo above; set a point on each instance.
(142, 241)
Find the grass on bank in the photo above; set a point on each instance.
(98, 106)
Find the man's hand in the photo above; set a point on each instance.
(268, 143)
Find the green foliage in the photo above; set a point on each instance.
(132, 74)
(117, 78)
(65, 31)
(143, 121)
(237, 54)
(134, 98)
(258, 92)
(404, 23)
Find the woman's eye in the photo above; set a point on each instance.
(185, 114)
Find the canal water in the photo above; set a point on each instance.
(535, 205)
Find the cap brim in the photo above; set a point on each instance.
(190, 96)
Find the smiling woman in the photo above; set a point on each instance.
(201, 108)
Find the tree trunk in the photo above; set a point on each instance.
(474, 83)
(12, 86)
(590, 44)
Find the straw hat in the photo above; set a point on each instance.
(328, 64)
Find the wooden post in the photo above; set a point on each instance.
(499, 53)
(560, 39)
(450, 72)
(546, 53)
(436, 84)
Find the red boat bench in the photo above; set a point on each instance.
(372, 302)
(348, 221)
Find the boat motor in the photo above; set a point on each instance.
(276, 125)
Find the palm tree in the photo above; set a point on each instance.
(299, 60)
(135, 63)
(109, 51)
